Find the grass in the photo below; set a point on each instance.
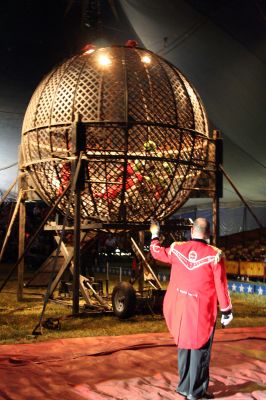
(17, 320)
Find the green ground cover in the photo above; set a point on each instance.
(18, 319)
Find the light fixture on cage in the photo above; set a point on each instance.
(145, 134)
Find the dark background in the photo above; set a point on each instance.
(219, 45)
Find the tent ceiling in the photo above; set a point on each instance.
(219, 46)
(222, 50)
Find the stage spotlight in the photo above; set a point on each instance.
(104, 60)
(146, 59)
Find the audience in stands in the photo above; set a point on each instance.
(249, 251)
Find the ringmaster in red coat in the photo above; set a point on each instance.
(197, 283)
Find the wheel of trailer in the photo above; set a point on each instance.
(124, 300)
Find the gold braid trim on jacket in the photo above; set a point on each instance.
(219, 254)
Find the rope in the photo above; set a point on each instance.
(9, 166)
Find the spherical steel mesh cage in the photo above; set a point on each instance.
(146, 134)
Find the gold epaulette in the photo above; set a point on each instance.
(215, 248)
(178, 243)
(218, 255)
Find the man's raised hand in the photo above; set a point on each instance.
(154, 229)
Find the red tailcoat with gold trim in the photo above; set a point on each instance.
(197, 282)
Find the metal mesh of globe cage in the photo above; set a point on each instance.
(145, 134)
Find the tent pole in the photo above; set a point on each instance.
(22, 226)
(78, 167)
(240, 196)
(218, 187)
(215, 219)
(141, 267)
(76, 255)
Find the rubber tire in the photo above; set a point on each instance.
(124, 300)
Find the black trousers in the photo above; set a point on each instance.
(193, 368)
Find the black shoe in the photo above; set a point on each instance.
(208, 395)
(205, 396)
